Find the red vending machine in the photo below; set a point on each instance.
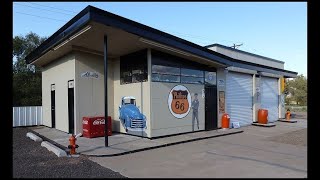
(93, 126)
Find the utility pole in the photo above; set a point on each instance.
(236, 45)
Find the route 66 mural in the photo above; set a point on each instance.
(179, 101)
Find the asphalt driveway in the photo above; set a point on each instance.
(30, 160)
(258, 152)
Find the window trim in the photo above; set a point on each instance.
(181, 76)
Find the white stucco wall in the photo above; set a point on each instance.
(89, 92)
(59, 72)
(163, 122)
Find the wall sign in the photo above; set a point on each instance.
(236, 125)
(70, 84)
(220, 82)
(53, 87)
(221, 102)
(179, 101)
(90, 74)
(210, 77)
(203, 93)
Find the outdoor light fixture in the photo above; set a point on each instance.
(72, 37)
(163, 46)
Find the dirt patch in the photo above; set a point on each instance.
(30, 160)
(298, 137)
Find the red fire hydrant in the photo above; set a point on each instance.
(288, 114)
(73, 144)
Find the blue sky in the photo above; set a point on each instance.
(274, 29)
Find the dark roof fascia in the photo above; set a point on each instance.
(150, 33)
(77, 22)
(91, 13)
(262, 68)
(244, 52)
(258, 67)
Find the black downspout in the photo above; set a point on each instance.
(105, 91)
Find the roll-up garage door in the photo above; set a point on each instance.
(239, 97)
(269, 97)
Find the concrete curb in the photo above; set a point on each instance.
(287, 121)
(34, 137)
(160, 146)
(264, 125)
(59, 152)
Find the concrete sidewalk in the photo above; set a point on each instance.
(120, 144)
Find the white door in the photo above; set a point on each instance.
(239, 97)
(269, 97)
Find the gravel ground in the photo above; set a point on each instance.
(298, 137)
(31, 160)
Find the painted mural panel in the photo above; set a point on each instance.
(176, 108)
(132, 120)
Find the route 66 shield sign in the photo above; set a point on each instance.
(179, 101)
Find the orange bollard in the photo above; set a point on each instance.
(288, 114)
(263, 116)
(225, 121)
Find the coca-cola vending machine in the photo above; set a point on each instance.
(93, 126)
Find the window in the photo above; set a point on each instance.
(191, 76)
(162, 73)
(134, 68)
(165, 73)
(210, 78)
(165, 78)
(192, 80)
(168, 68)
(129, 101)
(165, 70)
(191, 72)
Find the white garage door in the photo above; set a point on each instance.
(239, 97)
(269, 97)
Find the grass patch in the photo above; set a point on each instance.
(297, 108)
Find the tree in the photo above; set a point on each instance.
(297, 90)
(26, 77)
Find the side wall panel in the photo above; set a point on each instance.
(90, 91)
(141, 91)
(59, 72)
(163, 122)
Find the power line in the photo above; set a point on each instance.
(200, 38)
(44, 9)
(53, 7)
(39, 16)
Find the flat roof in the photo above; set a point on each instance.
(91, 13)
(244, 52)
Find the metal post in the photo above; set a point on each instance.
(105, 90)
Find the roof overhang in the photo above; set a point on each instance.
(91, 14)
(266, 69)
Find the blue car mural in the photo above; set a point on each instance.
(130, 116)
